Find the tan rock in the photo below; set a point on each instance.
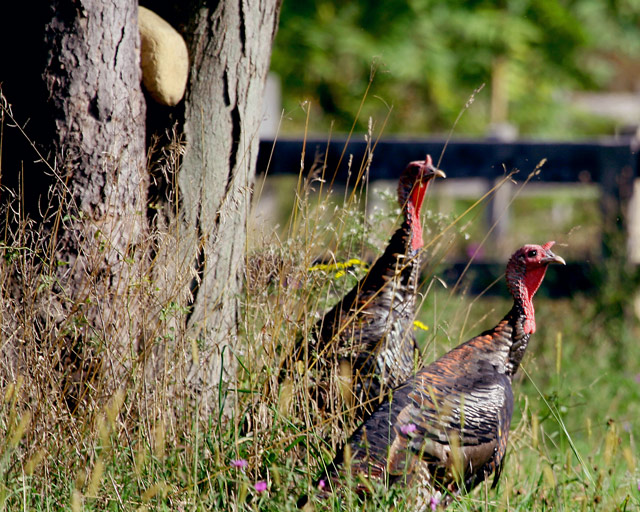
(164, 58)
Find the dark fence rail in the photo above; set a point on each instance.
(612, 164)
(607, 161)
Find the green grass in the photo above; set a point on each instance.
(573, 442)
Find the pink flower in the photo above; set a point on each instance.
(409, 428)
(322, 484)
(433, 503)
(475, 251)
(239, 463)
(261, 486)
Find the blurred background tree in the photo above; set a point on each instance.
(428, 56)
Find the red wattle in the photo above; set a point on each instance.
(532, 280)
(416, 232)
(417, 196)
(415, 203)
(530, 317)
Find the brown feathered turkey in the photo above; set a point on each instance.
(371, 329)
(445, 429)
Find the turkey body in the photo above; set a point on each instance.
(450, 419)
(371, 328)
(445, 429)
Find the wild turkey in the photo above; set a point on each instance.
(445, 430)
(371, 328)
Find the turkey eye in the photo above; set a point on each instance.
(532, 254)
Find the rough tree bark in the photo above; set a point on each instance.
(88, 117)
(89, 61)
(230, 49)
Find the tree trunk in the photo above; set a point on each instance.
(88, 115)
(229, 48)
(92, 130)
(93, 75)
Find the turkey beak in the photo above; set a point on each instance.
(431, 171)
(552, 258)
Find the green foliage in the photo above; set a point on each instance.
(427, 55)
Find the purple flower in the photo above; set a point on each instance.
(239, 463)
(261, 486)
(322, 484)
(409, 428)
(475, 250)
(433, 503)
(637, 378)
(638, 485)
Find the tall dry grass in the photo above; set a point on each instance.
(141, 443)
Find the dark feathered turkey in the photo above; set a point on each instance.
(445, 429)
(371, 328)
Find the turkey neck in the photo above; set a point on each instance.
(412, 216)
(392, 279)
(400, 263)
(522, 283)
(401, 258)
(402, 255)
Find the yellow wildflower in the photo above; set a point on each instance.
(417, 324)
